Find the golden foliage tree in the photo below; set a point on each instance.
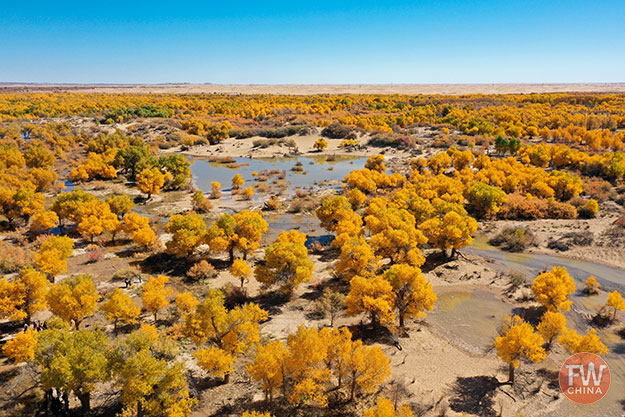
(155, 293)
(188, 232)
(119, 307)
(591, 286)
(150, 181)
(52, 255)
(615, 302)
(356, 258)
(21, 348)
(553, 288)
(237, 182)
(394, 233)
(551, 326)
(43, 221)
(412, 294)
(138, 227)
(241, 270)
(186, 302)
(372, 296)
(74, 299)
(151, 383)
(94, 217)
(576, 343)
(385, 408)
(518, 340)
(73, 362)
(320, 144)
(267, 367)
(286, 263)
(229, 333)
(453, 231)
(241, 232)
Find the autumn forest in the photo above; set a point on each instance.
(308, 255)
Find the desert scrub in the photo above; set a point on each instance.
(513, 239)
(13, 258)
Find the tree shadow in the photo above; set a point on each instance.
(201, 383)
(474, 395)
(163, 263)
(434, 260)
(272, 302)
(551, 377)
(531, 314)
(601, 321)
(369, 335)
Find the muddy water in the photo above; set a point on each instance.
(610, 279)
(468, 319)
(317, 171)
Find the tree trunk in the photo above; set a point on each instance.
(226, 378)
(511, 374)
(48, 401)
(352, 389)
(139, 409)
(85, 403)
(231, 251)
(401, 321)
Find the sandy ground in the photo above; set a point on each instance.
(606, 247)
(306, 89)
(244, 148)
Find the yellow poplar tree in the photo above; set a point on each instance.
(21, 348)
(553, 288)
(43, 221)
(119, 307)
(356, 258)
(74, 299)
(267, 367)
(518, 340)
(551, 326)
(188, 232)
(286, 263)
(373, 296)
(229, 333)
(453, 231)
(150, 181)
(616, 303)
(385, 408)
(412, 294)
(367, 368)
(575, 343)
(591, 286)
(241, 270)
(51, 258)
(186, 302)
(237, 181)
(320, 144)
(154, 294)
(94, 217)
(138, 227)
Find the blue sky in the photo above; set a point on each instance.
(313, 41)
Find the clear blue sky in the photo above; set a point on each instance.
(313, 41)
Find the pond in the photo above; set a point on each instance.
(317, 170)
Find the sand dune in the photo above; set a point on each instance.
(305, 89)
